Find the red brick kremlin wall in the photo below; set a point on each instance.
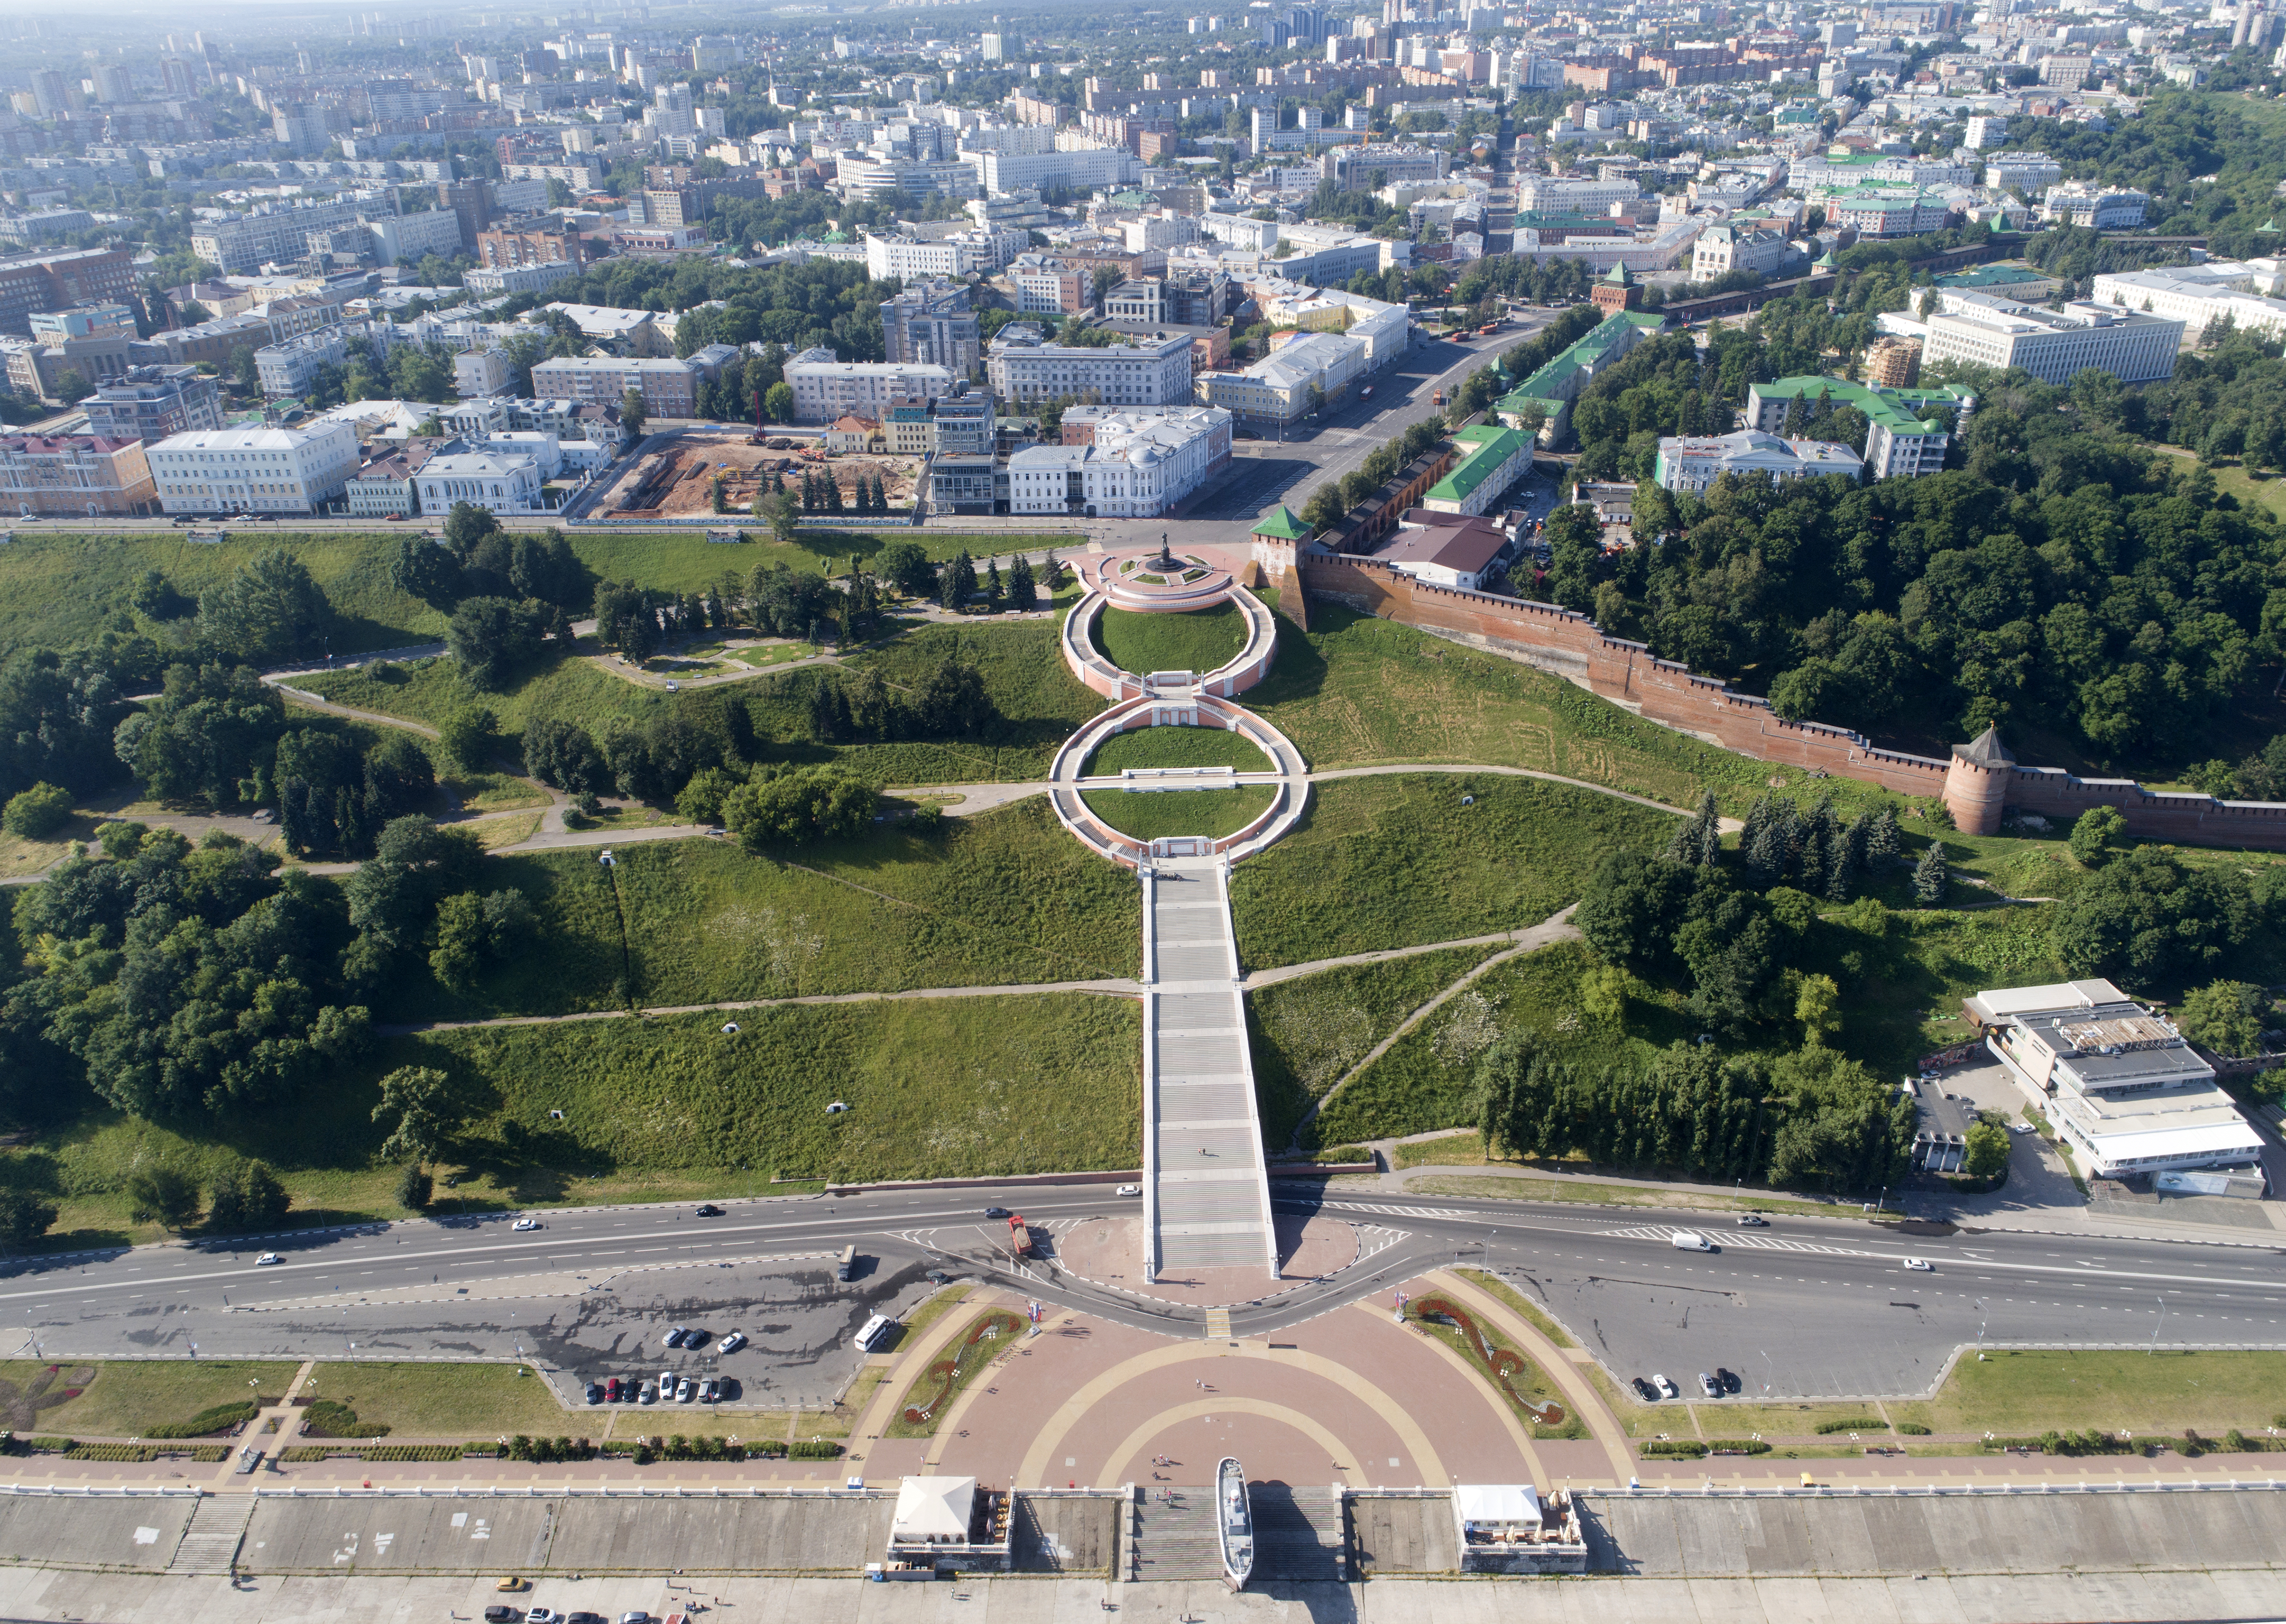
(1626, 674)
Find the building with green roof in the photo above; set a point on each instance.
(1904, 436)
(2010, 280)
(1492, 458)
(1558, 384)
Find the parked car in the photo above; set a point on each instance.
(697, 1337)
(650, 1391)
(543, 1615)
(1667, 1389)
(732, 1343)
(674, 1337)
(709, 1209)
(513, 1584)
(667, 1380)
(1753, 1220)
(1728, 1379)
(637, 1617)
(584, 1618)
(611, 1390)
(1644, 1390)
(685, 1391)
(594, 1393)
(504, 1615)
(1709, 1386)
(266, 1259)
(523, 1224)
(709, 1390)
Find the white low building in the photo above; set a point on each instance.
(1276, 389)
(2104, 208)
(1383, 328)
(2051, 345)
(1137, 462)
(500, 481)
(2125, 1091)
(1721, 250)
(253, 470)
(1694, 463)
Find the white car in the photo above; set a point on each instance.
(1919, 1263)
(523, 1224)
(1667, 1389)
(266, 1259)
(1129, 1189)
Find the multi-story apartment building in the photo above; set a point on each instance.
(1546, 194)
(481, 372)
(148, 404)
(62, 282)
(825, 387)
(287, 370)
(401, 239)
(669, 387)
(1046, 287)
(253, 470)
(244, 242)
(1142, 372)
(2051, 345)
(75, 475)
(961, 254)
(520, 278)
(1277, 389)
(931, 324)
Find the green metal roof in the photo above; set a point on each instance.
(1900, 411)
(1491, 447)
(1280, 522)
(1991, 276)
(1591, 346)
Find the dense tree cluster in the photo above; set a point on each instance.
(1808, 1120)
(186, 979)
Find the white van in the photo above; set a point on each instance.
(1690, 1240)
(875, 1332)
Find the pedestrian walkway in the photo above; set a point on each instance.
(1208, 1193)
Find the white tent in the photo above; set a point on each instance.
(932, 1511)
(1495, 1505)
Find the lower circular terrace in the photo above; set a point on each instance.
(1163, 581)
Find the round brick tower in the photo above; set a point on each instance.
(1976, 783)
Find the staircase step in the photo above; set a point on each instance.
(210, 1540)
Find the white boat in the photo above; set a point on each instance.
(1234, 1523)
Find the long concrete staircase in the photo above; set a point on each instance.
(1176, 1541)
(1209, 1191)
(210, 1540)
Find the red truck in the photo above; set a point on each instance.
(1020, 1239)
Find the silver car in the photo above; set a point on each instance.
(684, 1390)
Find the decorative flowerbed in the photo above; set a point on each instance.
(945, 1377)
(1501, 1365)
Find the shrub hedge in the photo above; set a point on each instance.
(217, 1418)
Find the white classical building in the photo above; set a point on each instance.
(1694, 463)
(1383, 328)
(2051, 345)
(2246, 291)
(1141, 372)
(253, 470)
(1276, 389)
(501, 481)
(1140, 462)
(912, 259)
(2107, 209)
(2126, 1093)
(1721, 250)
(825, 389)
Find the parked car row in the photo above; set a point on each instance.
(1714, 1386)
(548, 1615)
(668, 1387)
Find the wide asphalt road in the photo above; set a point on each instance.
(1805, 1307)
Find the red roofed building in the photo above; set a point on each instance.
(78, 475)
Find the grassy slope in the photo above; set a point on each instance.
(1196, 640)
(1148, 816)
(689, 562)
(60, 589)
(447, 1401)
(768, 719)
(667, 1109)
(1306, 1032)
(1178, 747)
(1397, 861)
(1004, 898)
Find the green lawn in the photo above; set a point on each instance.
(1038, 700)
(1493, 1186)
(1179, 747)
(1397, 861)
(687, 562)
(122, 1398)
(1151, 815)
(665, 1109)
(59, 589)
(2027, 1393)
(458, 1402)
(1306, 1032)
(1000, 898)
(1198, 640)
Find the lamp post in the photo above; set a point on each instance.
(2154, 1348)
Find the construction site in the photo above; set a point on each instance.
(676, 478)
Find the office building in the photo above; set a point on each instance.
(1121, 463)
(253, 470)
(2245, 292)
(74, 476)
(497, 479)
(931, 324)
(2099, 208)
(287, 370)
(1903, 435)
(668, 388)
(1693, 463)
(2051, 345)
(1493, 459)
(62, 281)
(271, 233)
(826, 387)
(1143, 372)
